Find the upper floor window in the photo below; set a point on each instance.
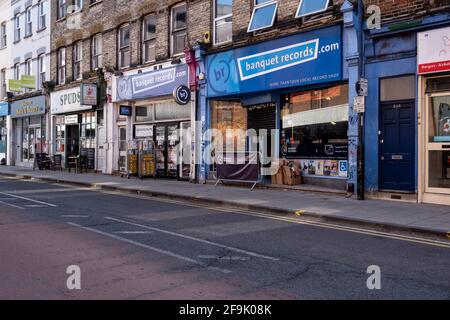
(17, 28)
(149, 38)
(61, 66)
(77, 58)
(124, 53)
(17, 71)
(62, 9)
(29, 21)
(309, 7)
(42, 23)
(178, 29)
(78, 5)
(3, 83)
(223, 21)
(3, 35)
(97, 51)
(42, 68)
(263, 16)
(28, 67)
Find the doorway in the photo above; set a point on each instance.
(72, 141)
(167, 139)
(397, 146)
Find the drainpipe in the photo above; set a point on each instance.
(361, 67)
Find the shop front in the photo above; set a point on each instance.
(434, 126)
(4, 112)
(155, 107)
(29, 130)
(74, 126)
(285, 99)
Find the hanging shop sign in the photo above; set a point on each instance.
(66, 101)
(4, 109)
(28, 107)
(28, 81)
(14, 85)
(88, 94)
(302, 59)
(433, 51)
(182, 95)
(152, 84)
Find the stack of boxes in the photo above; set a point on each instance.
(289, 173)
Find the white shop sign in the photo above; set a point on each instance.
(144, 131)
(433, 51)
(65, 101)
(72, 119)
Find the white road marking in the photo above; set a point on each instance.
(133, 232)
(12, 205)
(28, 199)
(35, 206)
(394, 236)
(74, 216)
(224, 258)
(249, 253)
(165, 252)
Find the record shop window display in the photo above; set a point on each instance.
(315, 125)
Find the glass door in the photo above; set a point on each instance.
(437, 156)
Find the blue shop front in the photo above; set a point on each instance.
(293, 93)
(4, 111)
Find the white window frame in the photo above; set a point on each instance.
(96, 54)
(62, 4)
(17, 71)
(310, 13)
(28, 21)
(42, 15)
(3, 89)
(3, 35)
(259, 6)
(61, 65)
(41, 70)
(77, 58)
(145, 41)
(120, 48)
(173, 32)
(216, 20)
(17, 28)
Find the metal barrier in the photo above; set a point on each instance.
(239, 167)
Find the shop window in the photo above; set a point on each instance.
(309, 7)
(399, 88)
(145, 113)
(88, 129)
(314, 129)
(439, 119)
(229, 118)
(171, 111)
(223, 21)
(263, 16)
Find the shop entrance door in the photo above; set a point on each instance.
(397, 146)
(167, 139)
(437, 144)
(18, 144)
(72, 141)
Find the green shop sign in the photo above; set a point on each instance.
(28, 81)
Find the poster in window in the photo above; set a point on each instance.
(327, 168)
(334, 171)
(319, 167)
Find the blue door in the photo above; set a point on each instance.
(397, 147)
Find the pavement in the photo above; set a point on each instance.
(390, 215)
(129, 246)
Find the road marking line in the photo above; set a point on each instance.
(28, 199)
(394, 236)
(165, 252)
(250, 253)
(12, 205)
(133, 232)
(228, 258)
(35, 206)
(74, 216)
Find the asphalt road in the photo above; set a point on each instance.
(133, 247)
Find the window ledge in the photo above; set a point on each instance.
(28, 36)
(41, 29)
(95, 3)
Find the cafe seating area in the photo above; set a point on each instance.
(81, 163)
